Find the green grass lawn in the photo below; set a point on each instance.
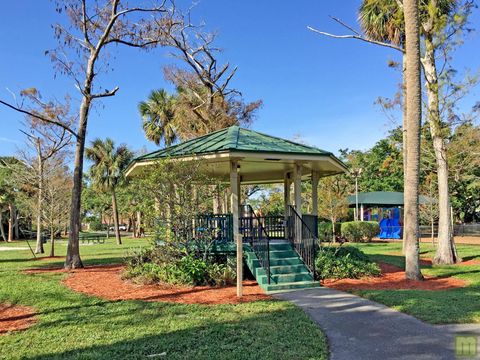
(75, 326)
(438, 307)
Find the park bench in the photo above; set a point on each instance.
(92, 238)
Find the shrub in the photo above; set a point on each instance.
(96, 225)
(161, 264)
(360, 231)
(192, 271)
(344, 262)
(221, 274)
(325, 230)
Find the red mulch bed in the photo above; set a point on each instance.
(393, 278)
(106, 282)
(15, 317)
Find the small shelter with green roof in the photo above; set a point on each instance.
(279, 259)
(384, 207)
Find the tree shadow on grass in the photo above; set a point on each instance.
(460, 305)
(271, 334)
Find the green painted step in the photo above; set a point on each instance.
(280, 246)
(287, 270)
(283, 269)
(290, 286)
(285, 278)
(276, 262)
(282, 254)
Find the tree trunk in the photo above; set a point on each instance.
(446, 251)
(11, 210)
(413, 121)
(334, 238)
(404, 125)
(16, 231)
(39, 247)
(432, 223)
(2, 230)
(52, 241)
(115, 218)
(72, 260)
(139, 223)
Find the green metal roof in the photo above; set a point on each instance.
(383, 198)
(234, 139)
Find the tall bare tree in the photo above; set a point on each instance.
(57, 189)
(94, 27)
(45, 140)
(204, 101)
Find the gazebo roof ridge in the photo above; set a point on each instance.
(234, 139)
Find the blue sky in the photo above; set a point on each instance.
(320, 89)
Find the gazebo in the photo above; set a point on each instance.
(239, 156)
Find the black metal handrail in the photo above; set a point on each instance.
(302, 238)
(258, 238)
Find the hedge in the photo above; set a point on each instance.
(360, 231)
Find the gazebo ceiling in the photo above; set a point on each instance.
(262, 158)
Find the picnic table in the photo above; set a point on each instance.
(94, 238)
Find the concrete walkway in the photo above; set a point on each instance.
(359, 329)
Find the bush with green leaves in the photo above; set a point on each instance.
(360, 231)
(344, 262)
(163, 264)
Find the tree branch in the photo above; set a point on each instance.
(358, 37)
(39, 117)
(105, 94)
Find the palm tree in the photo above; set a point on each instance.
(158, 115)
(413, 123)
(382, 20)
(107, 170)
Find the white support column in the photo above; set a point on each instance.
(297, 187)
(234, 187)
(286, 199)
(361, 212)
(286, 191)
(315, 179)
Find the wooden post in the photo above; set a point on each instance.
(234, 188)
(315, 179)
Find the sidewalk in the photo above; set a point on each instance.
(360, 329)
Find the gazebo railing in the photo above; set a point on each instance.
(258, 238)
(219, 225)
(302, 238)
(274, 226)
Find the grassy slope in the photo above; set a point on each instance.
(437, 307)
(76, 326)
